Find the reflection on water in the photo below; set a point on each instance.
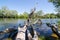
(9, 23)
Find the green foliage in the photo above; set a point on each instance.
(6, 13)
(44, 38)
(24, 15)
(51, 15)
(58, 15)
(39, 14)
(58, 24)
(56, 3)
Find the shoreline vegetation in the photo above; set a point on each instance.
(5, 12)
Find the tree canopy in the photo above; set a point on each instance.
(56, 3)
(6, 13)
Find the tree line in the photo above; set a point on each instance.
(7, 13)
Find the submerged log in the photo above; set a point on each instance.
(1, 32)
(54, 30)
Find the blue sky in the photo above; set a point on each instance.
(27, 5)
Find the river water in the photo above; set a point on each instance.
(10, 23)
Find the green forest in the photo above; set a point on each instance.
(5, 12)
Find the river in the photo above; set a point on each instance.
(10, 23)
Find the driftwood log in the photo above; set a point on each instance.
(54, 30)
